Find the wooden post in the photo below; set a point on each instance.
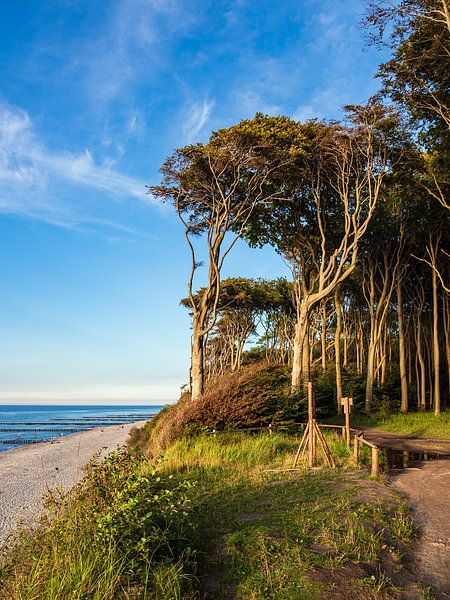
(347, 402)
(355, 449)
(312, 432)
(375, 464)
(313, 435)
(270, 428)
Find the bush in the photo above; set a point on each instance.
(117, 531)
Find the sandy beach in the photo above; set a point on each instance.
(28, 472)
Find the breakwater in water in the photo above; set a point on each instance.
(31, 424)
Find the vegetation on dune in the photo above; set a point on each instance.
(218, 515)
(121, 533)
(413, 424)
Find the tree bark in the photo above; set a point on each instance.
(299, 361)
(337, 351)
(436, 382)
(197, 363)
(370, 375)
(422, 395)
(401, 347)
(324, 336)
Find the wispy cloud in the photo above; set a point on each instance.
(130, 46)
(31, 174)
(195, 116)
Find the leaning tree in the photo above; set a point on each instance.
(214, 188)
(324, 207)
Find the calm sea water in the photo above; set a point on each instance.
(28, 423)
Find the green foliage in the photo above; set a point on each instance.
(419, 424)
(111, 537)
(256, 530)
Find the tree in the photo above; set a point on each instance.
(214, 188)
(324, 208)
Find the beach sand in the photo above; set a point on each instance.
(28, 472)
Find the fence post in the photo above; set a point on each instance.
(355, 448)
(270, 428)
(375, 463)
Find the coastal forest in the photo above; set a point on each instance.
(214, 498)
(358, 209)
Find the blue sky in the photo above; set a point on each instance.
(94, 95)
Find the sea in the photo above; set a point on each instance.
(22, 425)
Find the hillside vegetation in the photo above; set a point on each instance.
(220, 518)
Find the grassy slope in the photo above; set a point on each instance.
(256, 530)
(264, 532)
(414, 424)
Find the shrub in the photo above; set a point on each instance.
(118, 530)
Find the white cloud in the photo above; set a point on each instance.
(195, 116)
(132, 44)
(30, 173)
(250, 102)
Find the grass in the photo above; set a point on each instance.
(119, 534)
(219, 514)
(264, 532)
(423, 424)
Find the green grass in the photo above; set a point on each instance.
(423, 424)
(264, 532)
(219, 513)
(119, 534)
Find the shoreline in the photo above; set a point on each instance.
(27, 473)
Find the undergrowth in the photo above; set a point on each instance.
(418, 424)
(220, 516)
(121, 533)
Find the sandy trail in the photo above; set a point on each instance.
(426, 486)
(427, 489)
(28, 472)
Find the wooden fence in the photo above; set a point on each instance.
(358, 440)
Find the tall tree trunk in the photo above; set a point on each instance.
(358, 369)
(422, 402)
(300, 362)
(324, 336)
(370, 375)
(297, 349)
(446, 317)
(337, 351)
(197, 363)
(306, 363)
(345, 349)
(383, 351)
(436, 386)
(401, 348)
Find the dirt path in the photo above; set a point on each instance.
(28, 472)
(427, 488)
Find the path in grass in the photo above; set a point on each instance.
(427, 489)
(426, 486)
